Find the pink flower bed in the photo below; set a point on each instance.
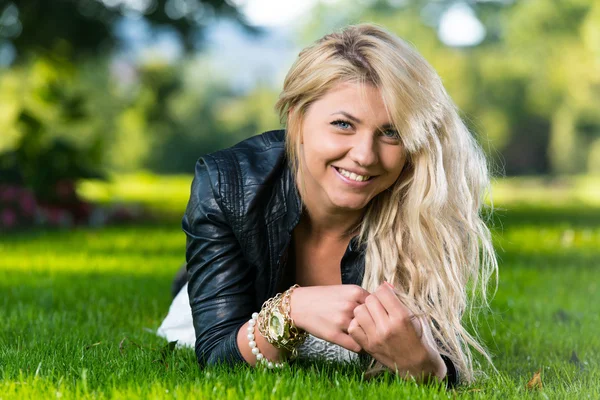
(19, 208)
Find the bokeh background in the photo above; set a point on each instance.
(105, 106)
(126, 91)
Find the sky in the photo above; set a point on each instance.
(269, 57)
(266, 58)
(275, 12)
(458, 27)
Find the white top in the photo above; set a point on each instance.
(178, 325)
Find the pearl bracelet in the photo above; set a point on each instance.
(259, 356)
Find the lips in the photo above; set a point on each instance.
(353, 175)
(352, 181)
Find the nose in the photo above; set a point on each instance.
(364, 150)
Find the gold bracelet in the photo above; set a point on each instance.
(277, 326)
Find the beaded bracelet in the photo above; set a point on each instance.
(260, 358)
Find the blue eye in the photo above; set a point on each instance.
(340, 123)
(391, 133)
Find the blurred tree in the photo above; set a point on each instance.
(198, 113)
(42, 156)
(83, 27)
(162, 120)
(65, 82)
(530, 89)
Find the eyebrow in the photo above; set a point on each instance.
(358, 121)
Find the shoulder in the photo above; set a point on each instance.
(250, 162)
(239, 178)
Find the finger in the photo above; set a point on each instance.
(358, 334)
(365, 320)
(418, 325)
(390, 301)
(349, 342)
(424, 331)
(426, 334)
(359, 294)
(377, 311)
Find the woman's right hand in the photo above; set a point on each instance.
(326, 311)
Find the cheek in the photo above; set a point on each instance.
(321, 151)
(395, 162)
(314, 162)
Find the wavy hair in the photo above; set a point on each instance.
(425, 234)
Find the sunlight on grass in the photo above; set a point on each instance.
(107, 250)
(544, 192)
(171, 193)
(167, 194)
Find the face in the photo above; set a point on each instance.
(350, 151)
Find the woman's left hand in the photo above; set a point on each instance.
(388, 331)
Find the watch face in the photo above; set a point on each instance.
(276, 325)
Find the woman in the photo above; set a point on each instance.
(363, 216)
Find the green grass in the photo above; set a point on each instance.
(78, 307)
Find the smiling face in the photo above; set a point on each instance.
(349, 149)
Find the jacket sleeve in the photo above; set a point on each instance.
(220, 280)
(452, 378)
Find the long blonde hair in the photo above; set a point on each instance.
(425, 234)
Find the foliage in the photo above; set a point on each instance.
(79, 28)
(54, 140)
(179, 113)
(41, 156)
(17, 206)
(91, 121)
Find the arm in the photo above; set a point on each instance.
(221, 283)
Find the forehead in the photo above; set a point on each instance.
(363, 101)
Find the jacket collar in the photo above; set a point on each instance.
(292, 199)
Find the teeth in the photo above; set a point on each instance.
(353, 176)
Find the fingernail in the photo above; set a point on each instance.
(389, 284)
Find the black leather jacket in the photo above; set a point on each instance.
(243, 208)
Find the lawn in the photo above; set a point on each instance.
(79, 307)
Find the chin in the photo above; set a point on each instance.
(350, 205)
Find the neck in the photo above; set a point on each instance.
(324, 223)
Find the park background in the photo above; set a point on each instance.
(105, 106)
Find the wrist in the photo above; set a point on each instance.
(296, 309)
(276, 324)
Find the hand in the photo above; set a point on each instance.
(326, 311)
(386, 329)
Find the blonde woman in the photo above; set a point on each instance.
(353, 234)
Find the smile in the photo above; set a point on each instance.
(352, 176)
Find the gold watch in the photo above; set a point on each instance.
(278, 327)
